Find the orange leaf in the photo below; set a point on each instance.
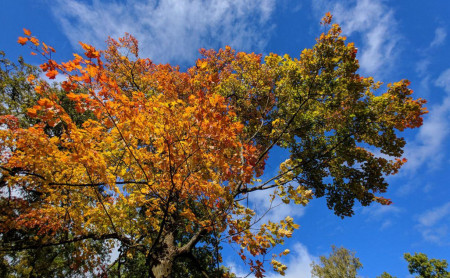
(51, 74)
(90, 51)
(44, 67)
(34, 41)
(32, 112)
(26, 32)
(30, 78)
(68, 86)
(22, 40)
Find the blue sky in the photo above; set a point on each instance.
(396, 39)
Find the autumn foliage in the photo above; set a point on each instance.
(163, 158)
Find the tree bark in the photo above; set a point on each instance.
(163, 269)
(163, 257)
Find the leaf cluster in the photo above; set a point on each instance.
(154, 162)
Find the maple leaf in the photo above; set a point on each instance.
(22, 40)
(51, 74)
(90, 51)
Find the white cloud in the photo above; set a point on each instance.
(436, 235)
(386, 224)
(411, 186)
(377, 211)
(422, 66)
(276, 211)
(375, 23)
(439, 37)
(298, 263)
(432, 217)
(444, 81)
(424, 85)
(433, 224)
(406, 188)
(238, 270)
(382, 215)
(168, 30)
(428, 145)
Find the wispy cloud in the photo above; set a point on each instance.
(375, 23)
(384, 215)
(386, 224)
(429, 143)
(406, 188)
(378, 211)
(169, 30)
(439, 37)
(433, 224)
(436, 235)
(431, 217)
(276, 210)
(422, 66)
(413, 185)
(444, 81)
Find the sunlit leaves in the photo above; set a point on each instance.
(162, 158)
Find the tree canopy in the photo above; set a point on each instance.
(426, 268)
(344, 264)
(156, 161)
(341, 263)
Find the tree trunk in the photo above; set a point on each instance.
(163, 257)
(163, 269)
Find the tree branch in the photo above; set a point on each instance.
(77, 239)
(192, 242)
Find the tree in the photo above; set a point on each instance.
(386, 275)
(341, 263)
(426, 268)
(17, 95)
(161, 165)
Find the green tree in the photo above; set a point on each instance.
(386, 275)
(426, 268)
(16, 93)
(341, 263)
